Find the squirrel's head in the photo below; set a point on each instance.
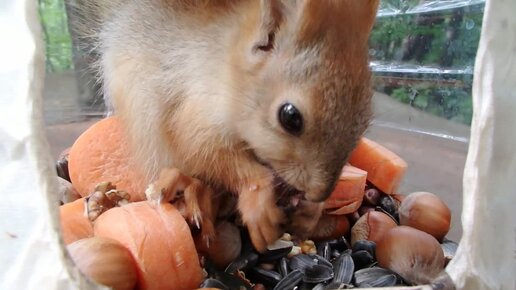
(301, 87)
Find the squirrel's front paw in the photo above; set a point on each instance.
(198, 210)
(261, 216)
(195, 205)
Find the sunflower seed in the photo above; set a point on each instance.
(301, 262)
(276, 251)
(338, 286)
(267, 277)
(366, 275)
(242, 263)
(362, 259)
(283, 267)
(365, 245)
(318, 273)
(381, 281)
(321, 261)
(290, 281)
(344, 268)
(449, 248)
(213, 283)
(388, 204)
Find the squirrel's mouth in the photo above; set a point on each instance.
(287, 195)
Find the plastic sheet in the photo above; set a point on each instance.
(405, 7)
(406, 68)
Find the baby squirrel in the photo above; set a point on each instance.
(243, 95)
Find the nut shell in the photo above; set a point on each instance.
(225, 247)
(427, 212)
(413, 254)
(105, 261)
(371, 226)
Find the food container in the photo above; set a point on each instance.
(473, 168)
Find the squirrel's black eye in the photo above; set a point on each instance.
(290, 118)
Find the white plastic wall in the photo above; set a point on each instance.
(31, 253)
(486, 257)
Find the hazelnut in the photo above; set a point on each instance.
(225, 247)
(427, 212)
(371, 226)
(413, 254)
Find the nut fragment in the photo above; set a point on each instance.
(308, 247)
(104, 186)
(286, 237)
(294, 252)
(106, 196)
(119, 197)
(96, 204)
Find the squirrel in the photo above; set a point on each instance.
(242, 95)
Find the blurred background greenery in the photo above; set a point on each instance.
(58, 41)
(427, 52)
(423, 52)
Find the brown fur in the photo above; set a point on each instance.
(196, 93)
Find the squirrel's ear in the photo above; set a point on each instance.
(270, 18)
(331, 18)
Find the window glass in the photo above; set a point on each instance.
(422, 57)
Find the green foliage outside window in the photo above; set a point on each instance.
(57, 38)
(446, 39)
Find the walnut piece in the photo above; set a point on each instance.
(105, 197)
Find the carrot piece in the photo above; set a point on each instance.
(349, 191)
(159, 240)
(384, 168)
(75, 224)
(102, 153)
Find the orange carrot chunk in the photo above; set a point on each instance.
(102, 153)
(75, 224)
(384, 168)
(349, 191)
(160, 241)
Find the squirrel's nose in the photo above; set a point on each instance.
(321, 191)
